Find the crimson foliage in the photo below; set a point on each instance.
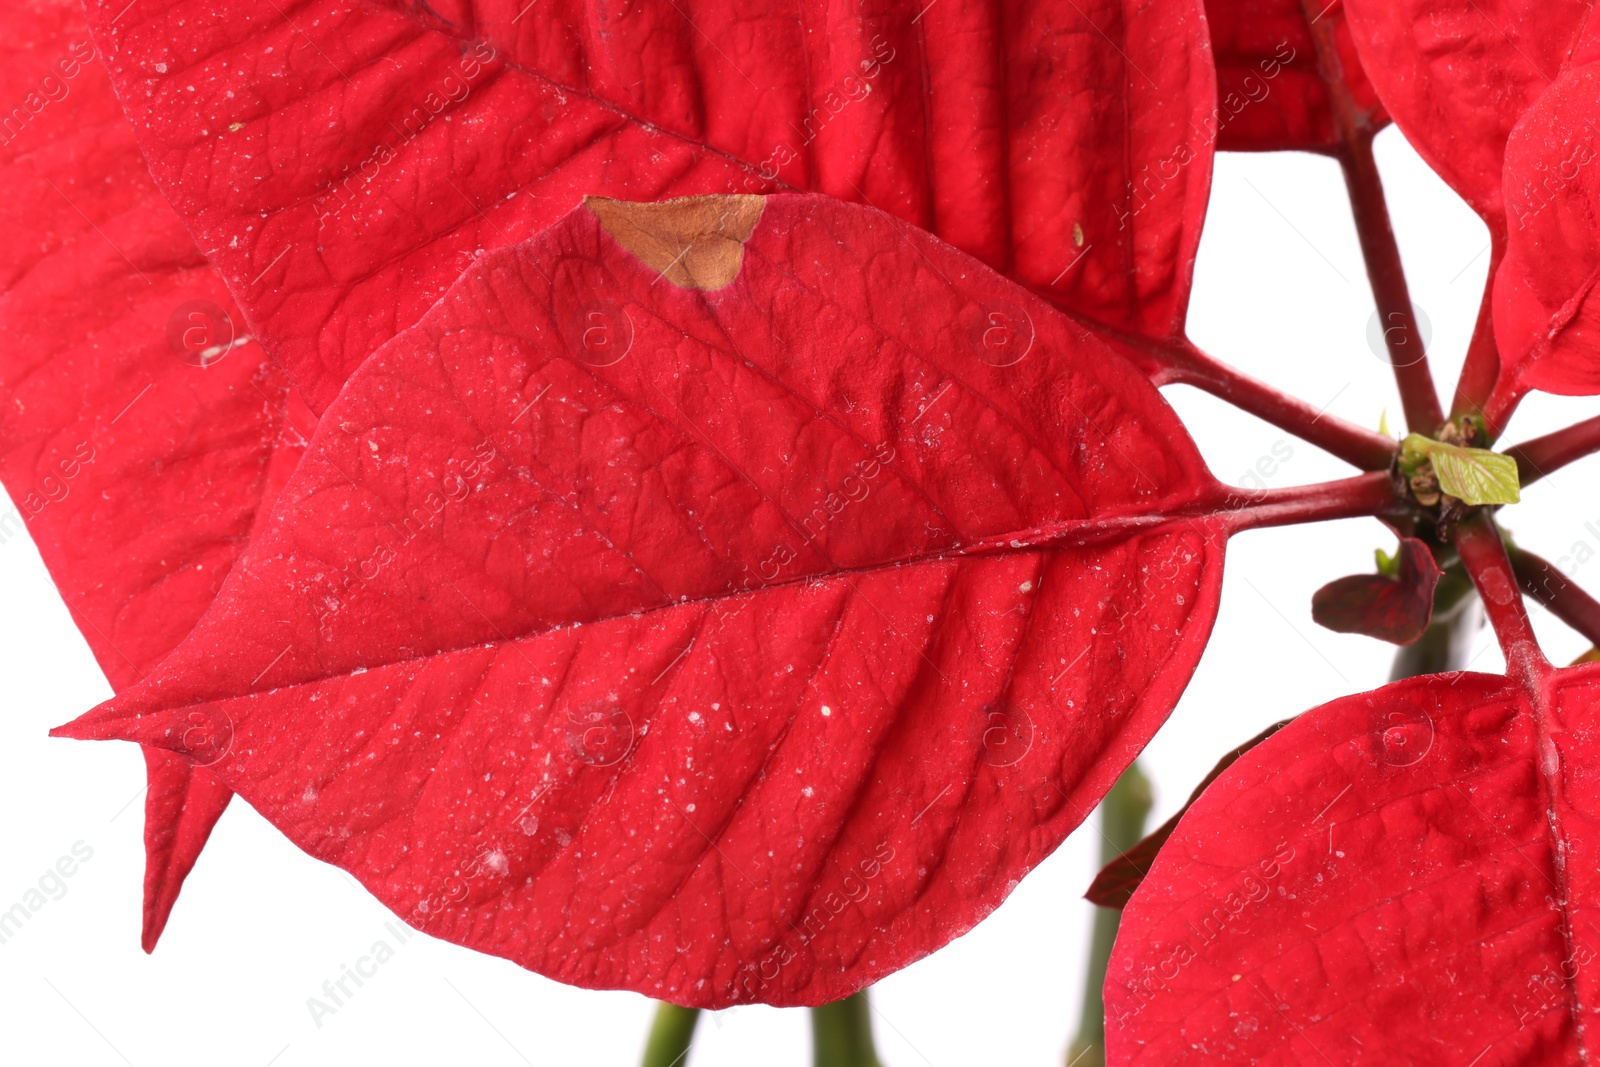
(723, 530)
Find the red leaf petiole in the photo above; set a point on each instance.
(1542, 580)
(1182, 363)
(1229, 510)
(1401, 336)
(1385, 272)
(1371, 494)
(1475, 392)
(1484, 555)
(1542, 455)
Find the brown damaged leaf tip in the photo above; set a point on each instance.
(694, 242)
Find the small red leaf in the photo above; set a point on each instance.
(1455, 75)
(1546, 323)
(1391, 608)
(375, 148)
(138, 472)
(1408, 874)
(738, 632)
(1117, 881)
(1271, 90)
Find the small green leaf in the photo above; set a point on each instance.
(1387, 564)
(1472, 475)
(1477, 475)
(1383, 423)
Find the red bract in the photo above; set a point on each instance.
(343, 162)
(139, 435)
(1544, 320)
(1270, 85)
(698, 601)
(1410, 870)
(732, 597)
(1455, 75)
(1393, 608)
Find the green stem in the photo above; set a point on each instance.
(1446, 643)
(670, 1034)
(1122, 816)
(841, 1033)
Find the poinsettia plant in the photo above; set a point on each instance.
(678, 496)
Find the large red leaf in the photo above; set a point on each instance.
(1404, 876)
(708, 599)
(341, 161)
(1455, 75)
(138, 472)
(1271, 91)
(1545, 322)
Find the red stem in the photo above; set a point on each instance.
(1184, 364)
(1482, 367)
(1220, 511)
(1541, 579)
(1407, 354)
(1540, 456)
(1484, 556)
(1364, 495)
(1502, 404)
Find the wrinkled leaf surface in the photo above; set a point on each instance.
(708, 599)
(342, 162)
(1411, 870)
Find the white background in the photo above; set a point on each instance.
(1281, 293)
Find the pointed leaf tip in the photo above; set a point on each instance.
(182, 807)
(85, 727)
(201, 733)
